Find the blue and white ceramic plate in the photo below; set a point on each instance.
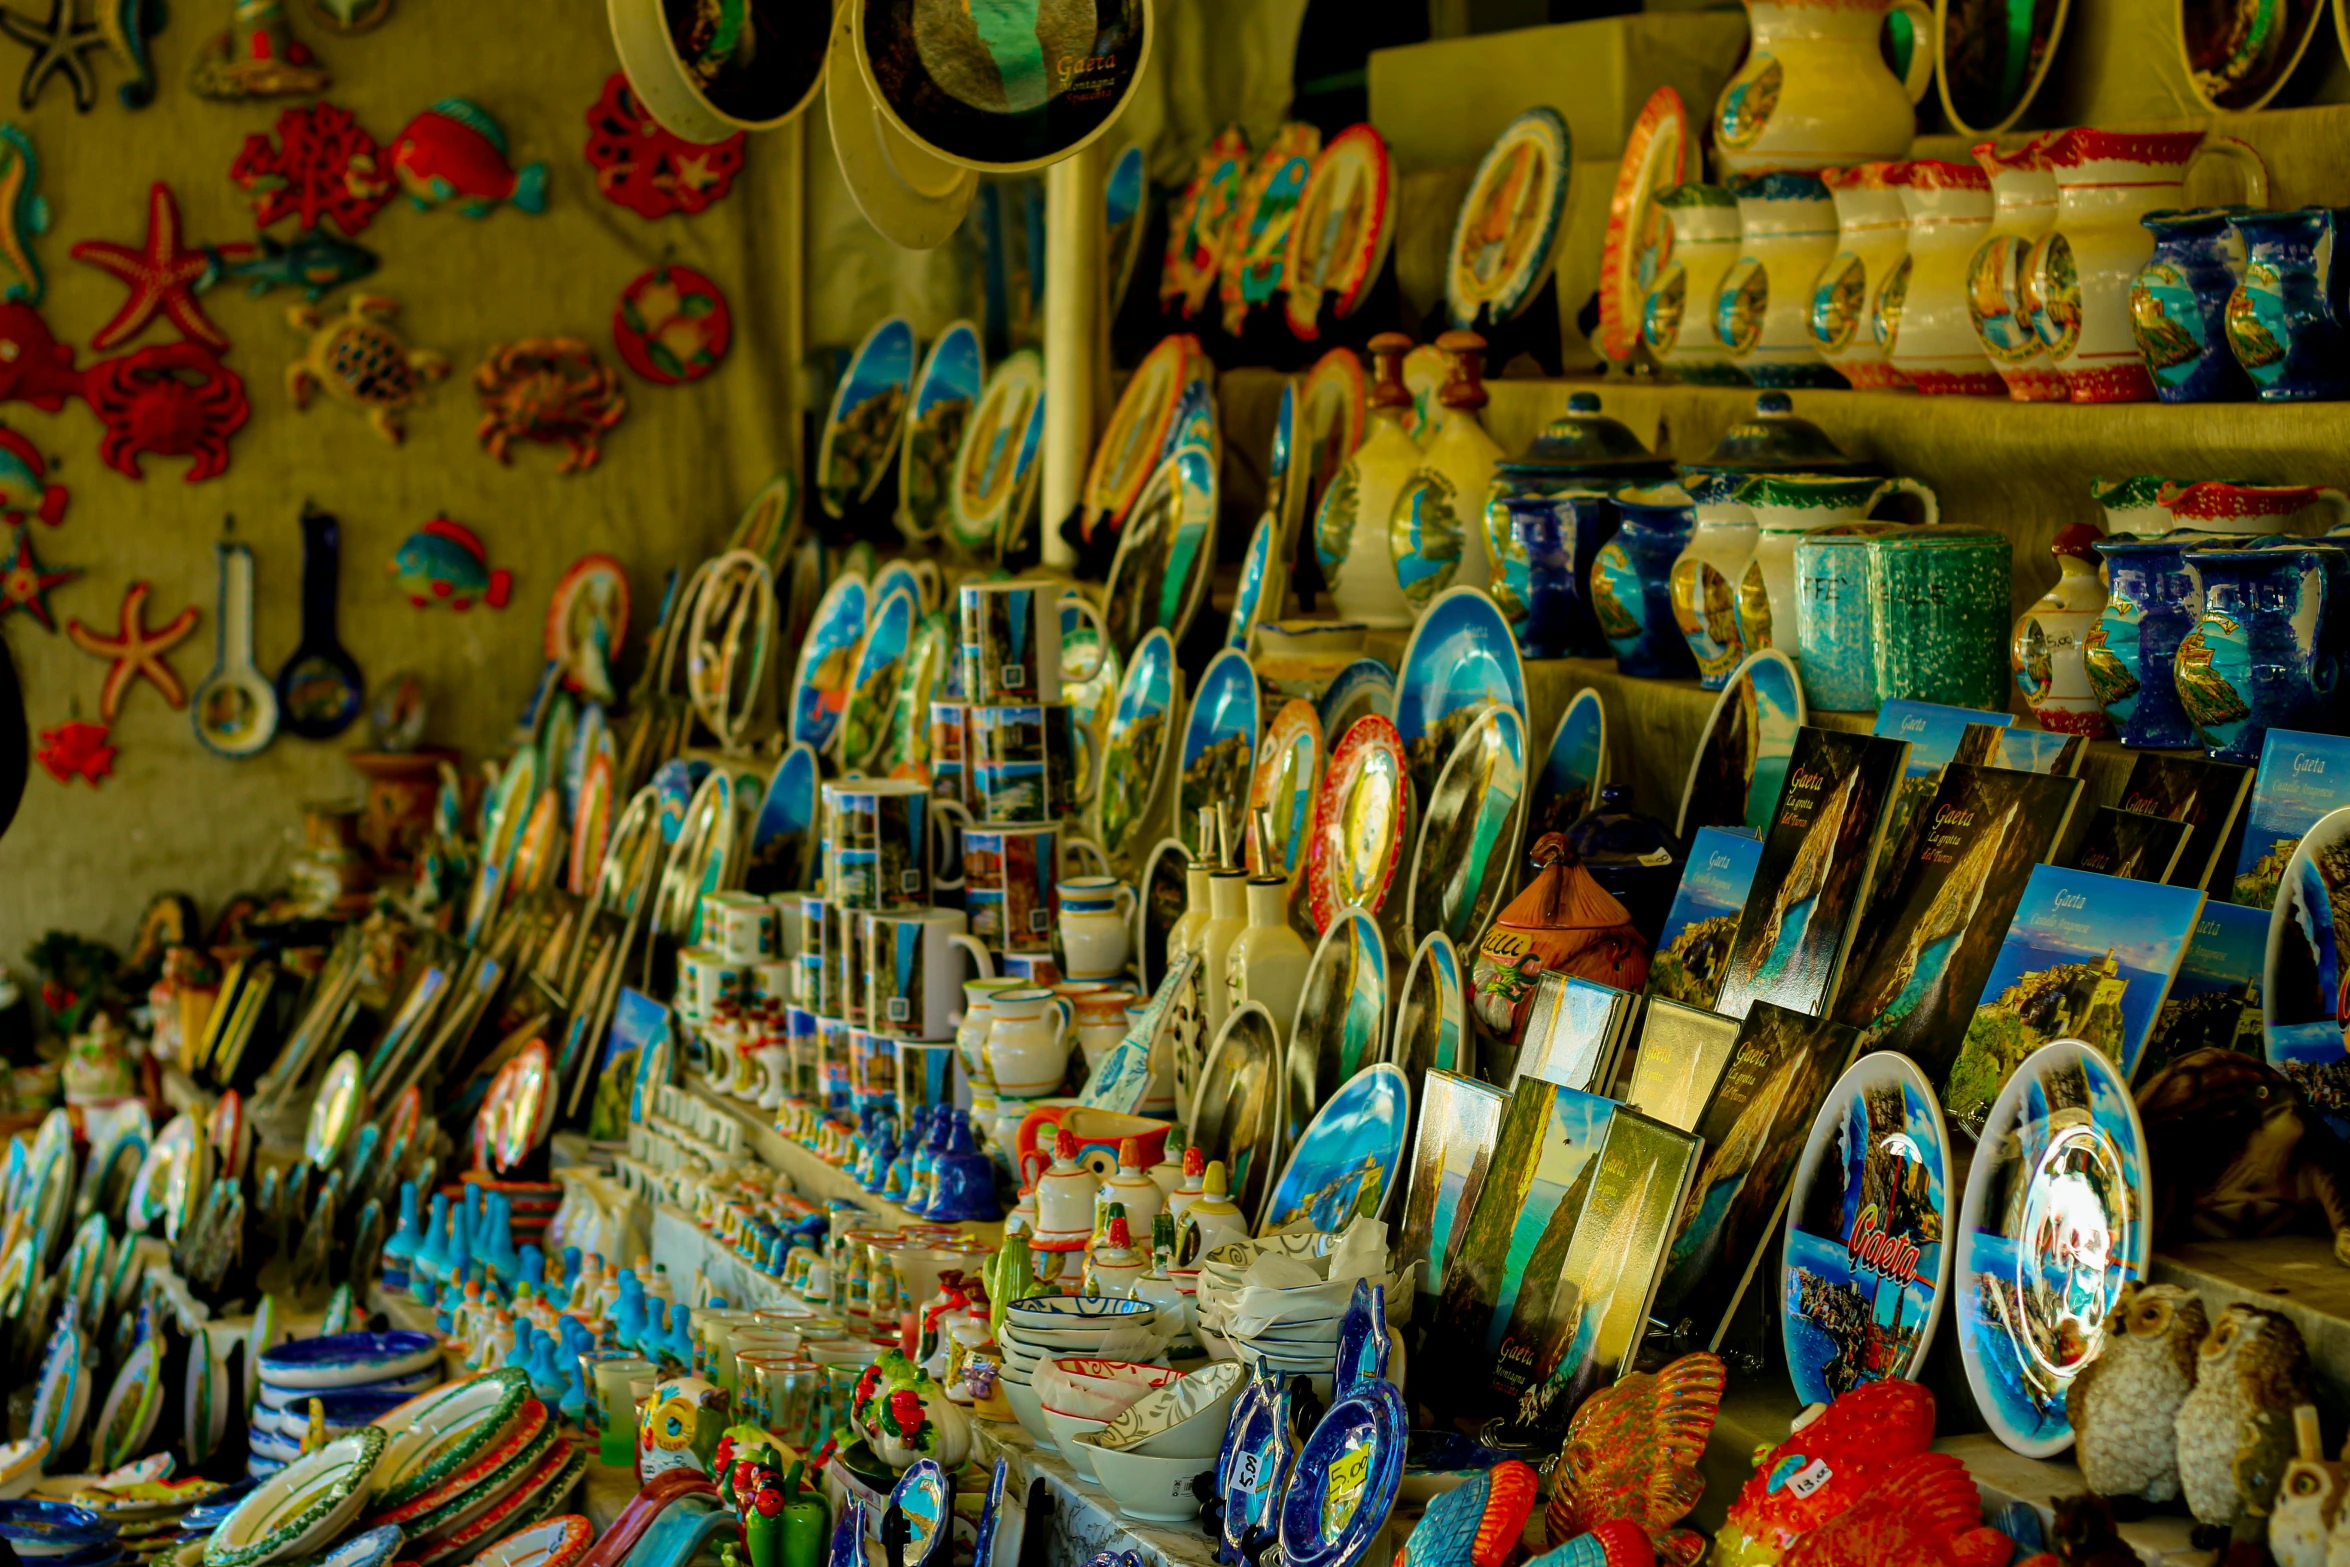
(1348, 1159)
(1574, 769)
(1219, 749)
(783, 850)
(1865, 1264)
(673, 784)
(1055, 1310)
(995, 469)
(945, 392)
(873, 686)
(1467, 860)
(2303, 1006)
(1432, 1014)
(1135, 752)
(2058, 1217)
(923, 1495)
(1364, 686)
(1346, 1480)
(867, 417)
(895, 576)
(348, 1360)
(1462, 657)
(1341, 1025)
(828, 657)
(1741, 758)
(51, 1529)
(1264, 582)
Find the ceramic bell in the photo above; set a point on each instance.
(2046, 653)
(1351, 529)
(1064, 1199)
(963, 1180)
(1212, 1220)
(2124, 1403)
(1131, 1186)
(680, 1428)
(1436, 531)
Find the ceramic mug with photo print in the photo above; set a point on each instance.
(806, 1047)
(739, 924)
(1011, 646)
(823, 931)
(873, 1068)
(833, 1064)
(914, 971)
(704, 979)
(772, 981)
(927, 1074)
(850, 965)
(949, 752)
(1008, 886)
(879, 846)
(1034, 968)
(1096, 946)
(1021, 764)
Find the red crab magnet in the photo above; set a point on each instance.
(25, 583)
(34, 366)
(672, 325)
(175, 400)
(323, 164)
(134, 652)
(163, 276)
(76, 749)
(25, 490)
(549, 390)
(648, 169)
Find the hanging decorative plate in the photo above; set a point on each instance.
(1362, 820)
(1574, 769)
(1991, 58)
(1250, 267)
(302, 1506)
(1653, 159)
(1332, 403)
(704, 73)
(1462, 656)
(150, 1189)
(673, 784)
(1199, 224)
(1236, 1113)
(2238, 56)
(867, 416)
(1134, 753)
(828, 656)
(1219, 748)
(591, 826)
(1363, 687)
(2058, 1217)
(671, 325)
(699, 861)
(1001, 99)
(873, 687)
(1346, 1161)
(1467, 864)
(2305, 1010)
(1341, 1022)
(1288, 772)
(945, 392)
(1166, 552)
(1509, 221)
(340, 1104)
(922, 675)
(1339, 239)
(1132, 443)
(1347, 1478)
(1864, 1266)
(1742, 757)
(1431, 1016)
(995, 463)
(1124, 194)
(132, 1407)
(1090, 672)
(191, 1178)
(1264, 581)
(529, 1110)
(1165, 893)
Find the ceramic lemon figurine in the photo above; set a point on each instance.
(1436, 530)
(1350, 531)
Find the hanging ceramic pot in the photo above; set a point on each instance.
(1815, 92)
(2023, 208)
(1922, 319)
(1697, 241)
(1632, 582)
(1436, 532)
(2179, 306)
(1350, 531)
(2050, 637)
(1872, 232)
(2286, 318)
(1787, 232)
(2266, 652)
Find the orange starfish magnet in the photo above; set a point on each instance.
(136, 652)
(25, 584)
(76, 749)
(164, 276)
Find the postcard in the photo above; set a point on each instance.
(1813, 873)
(2130, 845)
(1683, 1050)
(2086, 957)
(1918, 970)
(1754, 1129)
(2302, 777)
(2205, 794)
(1573, 1032)
(2214, 1004)
(2309, 953)
(1696, 936)
(638, 1021)
(1460, 1122)
(2023, 750)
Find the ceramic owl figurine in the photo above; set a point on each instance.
(2235, 1428)
(2124, 1403)
(2309, 1499)
(1633, 1452)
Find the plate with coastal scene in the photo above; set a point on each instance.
(905, 752)
(1341, 1023)
(1574, 769)
(2305, 1013)
(1166, 552)
(1332, 402)
(1135, 751)
(1362, 820)
(1364, 686)
(1264, 582)
(946, 389)
(828, 657)
(1741, 760)
(1654, 154)
(1347, 1161)
(1432, 1014)
(873, 684)
(1467, 860)
(1236, 1114)
(1135, 439)
(1289, 771)
(1219, 749)
(867, 416)
(1509, 221)
(995, 464)
(1462, 657)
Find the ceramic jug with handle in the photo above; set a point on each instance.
(1632, 582)
(2153, 598)
(2077, 282)
(2133, 505)
(2286, 319)
(2179, 306)
(1787, 506)
(1787, 233)
(1815, 92)
(1697, 241)
(1922, 319)
(2050, 638)
(1436, 534)
(1027, 1043)
(1872, 234)
(2023, 208)
(2214, 506)
(2265, 653)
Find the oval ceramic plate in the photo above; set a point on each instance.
(1264, 582)
(128, 1417)
(946, 390)
(828, 657)
(1134, 753)
(1462, 656)
(1166, 552)
(1362, 687)
(1574, 769)
(1339, 238)
(1653, 157)
(873, 683)
(1362, 821)
(1508, 222)
(1236, 1115)
(1741, 759)
(783, 847)
(339, 1106)
(2304, 1011)
(2057, 1218)
(435, 1434)
(1467, 864)
(1346, 1161)
(1341, 1023)
(558, 1542)
(867, 417)
(1199, 224)
(2237, 56)
(301, 1506)
(1165, 893)
(1347, 1477)
(1864, 1266)
(1125, 202)
(1135, 439)
(913, 197)
(348, 1360)
(1288, 773)
(995, 463)
(922, 675)
(1219, 749)
(1432, 1015)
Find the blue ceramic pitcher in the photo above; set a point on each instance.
(2285, 319)
(1545, 545)
(2179, 305)
(1632, 582)
(2153, 599)
(2264, 655)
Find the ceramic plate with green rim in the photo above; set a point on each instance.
(1462, 656)
(519, 1452)
(995, 465)
(435, 1434)
(1135, 752)
(302, 1506)
(873, 681)
(828, 655)
(1219, 748)
(1166, 552)
(538, 1496)
(1467, 860)
(132, 1406)
(1341, 1023)
(558, 1542)
(61, 1397)
(867, 417)
(1509, 220)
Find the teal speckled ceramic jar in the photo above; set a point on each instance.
(1835, 644)
(1939, 613)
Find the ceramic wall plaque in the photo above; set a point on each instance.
(1137, 746)
(1166, 552)
(1508, 221)
(1362, 821)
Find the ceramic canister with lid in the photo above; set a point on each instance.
(1938, 611)
(1697, 242)
(1836, 644)
(1922, 317)
(1787, 233)
(2023, 207)
(1872, 232)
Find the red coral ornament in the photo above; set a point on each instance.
(324, 164)
(34, 366)
(77, 749)
(177, 400)
(648, 169)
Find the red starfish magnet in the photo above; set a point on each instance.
(163, 276)
(136, 652)
(25, 585)
(74, 749)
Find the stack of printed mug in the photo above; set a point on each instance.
(735, 988)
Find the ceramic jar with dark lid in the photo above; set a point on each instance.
(1555, 499)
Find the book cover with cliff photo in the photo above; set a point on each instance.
(2130, 845)
(1695, 940)
(1934, 731)
(2086, 957)
(1812, 878)
(2204, 794)
(2302, 777)
(2022, 750)
(2214, 1003)
(1918, 969)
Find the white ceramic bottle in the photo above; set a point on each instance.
(1227, 918)
(1436, 527)
(1350, 531)
(1267, 962)
(1184, 935)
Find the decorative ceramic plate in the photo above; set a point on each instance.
(274, 1396)
(1462, 656)
(1259, 241)
(1219, 749)
(1467, 863)
(1509, 221)
(873, 686)
(52, 1529)
(133, 1404)
(1653, 158)
(1288, 774)
(1741, 758)
(1363, 687)
(673, 783)
(1362, 822)
(539, 1494)
(2305, 1012)
(905, 749)
(1348, 1475)
(1199, 224)
(894, 576)
(1236, 1115)
(61, 1397)
(1134, 754)
(1339, 238)
(946, 390)
(339, 1106)
(915, 198)
(828, 657)
(2238, 56)
(438, 1433)
(1864, 1266)
(591, 823)
(1260, 1449)
(868, 414)
(1432, 1014)
(558, 1542)
(527, 1448)
(995, 464)
(2057, 1218)
(1125, 196)
(1332, 403)
(702, 81)
(783, 848)
(348, 1360)
(300, 1507)
(106, 1179)
(1133, 441)
(1165, 894)
(1574, 769)
(1166, 553)
(1347, 1160)
(1341, 1023)
(1090, 672)
(1264, 582)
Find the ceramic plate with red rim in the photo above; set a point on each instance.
(1361, 818)
(558, 1542)
(540, 1493)
(672, 325)
(591, 826)
(1653, 158)
(1345, 222)
(1136, 435)
(1251, 265)
(1201, 224)
(503, 1469)
(1509, 221)
(530, 1106)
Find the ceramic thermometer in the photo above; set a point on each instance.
(235, 709)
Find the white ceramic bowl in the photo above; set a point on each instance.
(349, 1360)
(1183, 1420)
(1030, 1414)
(1066, 1430)
(1062, 1310)
(1097, 1389)
(1145, 1486)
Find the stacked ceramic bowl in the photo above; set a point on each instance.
(1048, 1327)
(277, 1432)
(343, 1364)
(467, 1465)
(153, 1514)
(59, 1534)
(1278, 1302)
(1148, 1455)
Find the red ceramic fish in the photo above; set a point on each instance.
(454, 152)
(1829, 1461)
(1922, 1512)
(1633, 1452)
(1477, 1523)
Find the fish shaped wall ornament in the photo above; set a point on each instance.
(317, 263)
(444, 562)
(1634, 1451)
(455, 154)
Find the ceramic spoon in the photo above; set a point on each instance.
(319, 687)
(235, 709)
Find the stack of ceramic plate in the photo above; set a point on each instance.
(276, 1432)
(58, 1534)
(1048, 1327)
(469, 1464)
(306, 1508)
(1282, 1327)
(346, 1364)
(150, 1512)
(198, 1522)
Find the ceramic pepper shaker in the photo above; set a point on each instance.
(2051, 636)
(1131, 1188)
(1436, 533)
(1115, 1263)
(1350, 530)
